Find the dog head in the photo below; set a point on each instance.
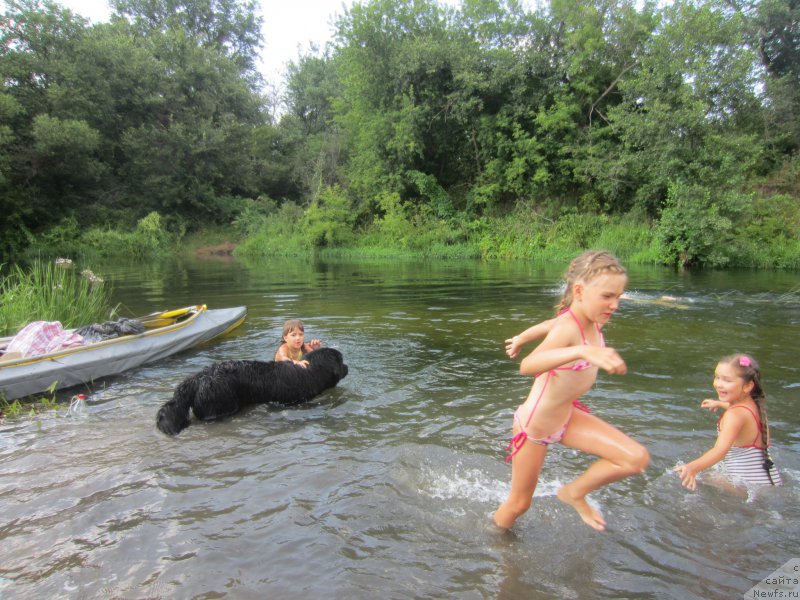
(328, 361)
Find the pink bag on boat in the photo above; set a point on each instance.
(43, 337)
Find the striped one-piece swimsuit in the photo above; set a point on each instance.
(746, 463)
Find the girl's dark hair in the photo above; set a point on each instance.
(585, 268)
(747, 368)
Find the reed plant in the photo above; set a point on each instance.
(52, 292)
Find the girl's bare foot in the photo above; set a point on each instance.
(590, 515)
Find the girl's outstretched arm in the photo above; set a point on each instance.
(715, 405)
(729, 430)
(559, 348)
(540, 330)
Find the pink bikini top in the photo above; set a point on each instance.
(758, 426)
(581, 365)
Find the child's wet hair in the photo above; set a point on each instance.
(585, 268)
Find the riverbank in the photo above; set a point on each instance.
(749, 233)
(771, 239)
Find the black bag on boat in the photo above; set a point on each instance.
(97, 332)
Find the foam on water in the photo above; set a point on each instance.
(469, 484)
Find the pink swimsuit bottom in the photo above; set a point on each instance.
(519, 440)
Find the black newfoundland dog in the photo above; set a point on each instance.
(223, 388)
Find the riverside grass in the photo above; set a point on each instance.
(753, 233)
(501, 238)
(52, 292)
(526, 234)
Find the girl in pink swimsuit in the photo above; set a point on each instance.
(565, 365)
(743, 435)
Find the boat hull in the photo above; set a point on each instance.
(83, 364)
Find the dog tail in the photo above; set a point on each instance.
(173, 416)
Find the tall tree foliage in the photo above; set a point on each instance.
(48, 159)
(772, 29)
(416, 110)
(398, 62)
(113, 121)
(312, 138)
(231, 27)
(687, 112)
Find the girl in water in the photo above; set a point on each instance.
(293, 344)
(743, 435)
(565, 365)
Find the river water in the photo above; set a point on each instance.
(384, 486)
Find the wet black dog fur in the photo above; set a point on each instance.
(224, 388)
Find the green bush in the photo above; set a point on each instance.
(149, 239)
(329, 220)
(278, 234)
(630, 240)
(394, 226)
(692, 229)
(769, 236)
(63, 239)
(254, 215)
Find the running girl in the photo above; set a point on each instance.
(743, 435)
(293, 344)
(565, 365)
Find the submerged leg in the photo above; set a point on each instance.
(525, 467)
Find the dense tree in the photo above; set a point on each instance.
(231, 27)
(114, 121)
(773, 31)
(687, 110)
(47, 160)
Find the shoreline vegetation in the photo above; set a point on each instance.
(48, 290)
(52, 290)
(744, 232)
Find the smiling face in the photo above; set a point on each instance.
(599, 298)
(730, 385)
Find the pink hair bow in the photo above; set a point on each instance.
(745, 361)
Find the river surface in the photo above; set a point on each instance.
(384, 486)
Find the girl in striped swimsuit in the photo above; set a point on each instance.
(743, 434)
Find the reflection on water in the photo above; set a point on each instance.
(385, 484)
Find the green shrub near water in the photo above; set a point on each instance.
(701, 227)
(150, 238)
(328, 222)
(697, 227)
(399, 231)
(51, 292)
(272, 231)
(529, 234)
